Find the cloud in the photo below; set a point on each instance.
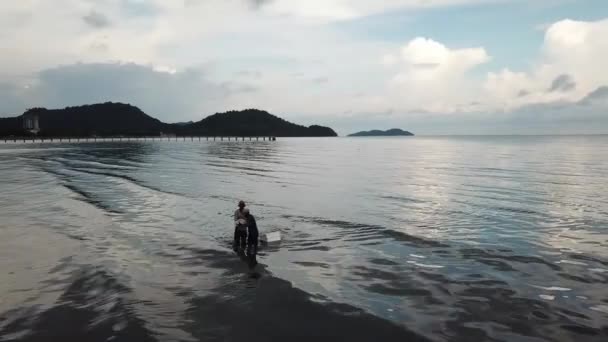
(599, 95)
(320, 80)
(96, 20)
(337, 10)
(253, 74)
(235, 88)
(428, 59)
(11, 102)
(168, 96)
(523, 93)
(257, 4)
(562, 82)
(432, 76)
(582, 117)
(572, 63)
(182, 59)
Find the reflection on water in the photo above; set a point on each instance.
(441, 239)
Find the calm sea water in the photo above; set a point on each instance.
(404, 239)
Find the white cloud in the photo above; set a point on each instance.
(167, 95)
(428, 61)
(574, 48)
(331, 10)
(436, 78)
(287, 45)
(432, 76)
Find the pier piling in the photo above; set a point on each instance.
(120, 138)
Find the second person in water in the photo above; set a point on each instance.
(246, 230)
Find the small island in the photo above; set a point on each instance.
(395, 132)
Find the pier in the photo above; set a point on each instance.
(33, 139)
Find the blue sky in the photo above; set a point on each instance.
(434, 67)
(512, 31)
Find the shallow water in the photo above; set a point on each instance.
(425, 238)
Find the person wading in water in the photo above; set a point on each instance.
(240, 227)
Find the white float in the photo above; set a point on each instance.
(271, 237)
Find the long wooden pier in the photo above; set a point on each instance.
(133, 138)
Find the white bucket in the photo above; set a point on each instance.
(271, 237)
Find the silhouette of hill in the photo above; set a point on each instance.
(112, 119)
(10, 126)
(253, 122)
(377, 133)
(98, 119)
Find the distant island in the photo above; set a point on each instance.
(395, 132)
(116, 119)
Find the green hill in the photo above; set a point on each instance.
(112, 119)
(395, 132)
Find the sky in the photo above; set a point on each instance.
(428, 66)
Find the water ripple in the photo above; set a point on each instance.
(423, 239)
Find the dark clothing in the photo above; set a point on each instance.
(240, 238)
(252, 240)
(252, 228)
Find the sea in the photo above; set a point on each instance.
(469, 238)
